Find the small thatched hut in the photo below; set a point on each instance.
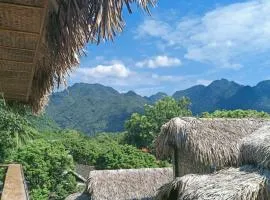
(203, 145)
(255, 149)
(41, 40)
(127, 184)
(245, 183)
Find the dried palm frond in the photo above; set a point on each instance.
(136, 184)
(68, 29)
(245, 183)
(201, 145)
(255, 149)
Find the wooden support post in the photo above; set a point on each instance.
(176, 162)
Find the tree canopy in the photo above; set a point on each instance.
(235, 114)
(143, 128)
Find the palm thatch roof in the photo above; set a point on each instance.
(41, 40)
(201, 145)
(127, 184)
(255, 149)
(245, 183)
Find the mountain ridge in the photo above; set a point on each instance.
(95, 108)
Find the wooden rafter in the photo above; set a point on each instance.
(15, 48)
(19, 31)
(20, 5)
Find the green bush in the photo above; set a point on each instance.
(46, 166)
(142, 129)
(124, 157)
(15, 129)
(235, 114)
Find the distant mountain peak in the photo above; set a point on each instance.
(156, 97)
(130, 93)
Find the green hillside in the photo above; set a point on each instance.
(93, 108)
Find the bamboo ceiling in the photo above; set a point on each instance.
(21, 30)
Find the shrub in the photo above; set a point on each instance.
(46, 166)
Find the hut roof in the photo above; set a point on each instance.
(127, 184)
(205, 142)
(255, 149)
(245, 183)
(40, 41)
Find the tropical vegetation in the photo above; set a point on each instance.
(143, 128)
(48, 153)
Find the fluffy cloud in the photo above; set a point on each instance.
(120, 77)
(203, 82)
(225, 37)
(159, 61)
(117, 70)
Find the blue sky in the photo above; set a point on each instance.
(183, 43)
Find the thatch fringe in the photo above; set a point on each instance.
(204, 144)
(245, 183)
(68, 29)
(255, 149)
(135, 184)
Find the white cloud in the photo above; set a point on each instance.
(225, 37)
(117, 70)
(117, 75)
(159, 61)
(203, 82)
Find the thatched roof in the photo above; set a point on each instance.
(127, 184)
(41, 40)
(204, 143)
(245, 183)
(255, 149)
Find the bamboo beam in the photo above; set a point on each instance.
(20, 5)
(16, 71)
(23, 62)
(15, 48)
(19, 31)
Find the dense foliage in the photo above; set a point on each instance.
(235, 114)
(46, 166)
(14, 128)
(104, 151)
(142, 129)
(44, 163)
(93, 108)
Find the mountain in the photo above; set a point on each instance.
(93, 108)
(224, 94)
(156, 97)
(257, 98)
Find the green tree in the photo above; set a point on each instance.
(15, 129)
(46, 166)
(235, 114)
(142, 129)
(125, 157)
